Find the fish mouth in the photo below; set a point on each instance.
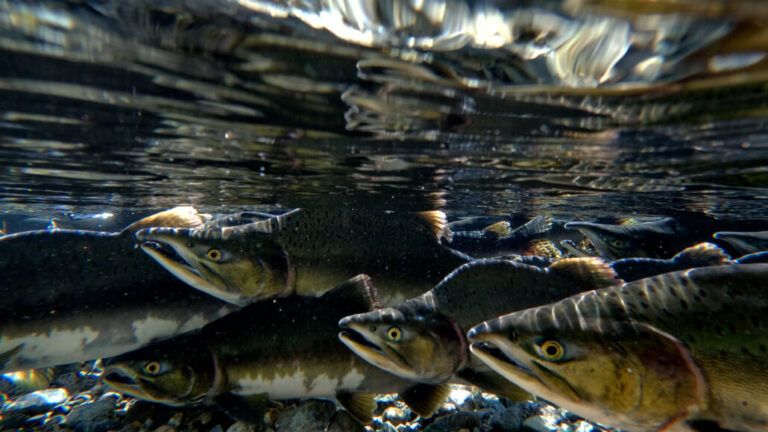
(510, 361)
(357, 338)
(492, 355)
(182, 262)
(123, 380)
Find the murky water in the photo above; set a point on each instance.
(580, 110)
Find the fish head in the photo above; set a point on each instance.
(612, 241)
(409, 340)
(163, 373)
(233, 266)
(628, 375)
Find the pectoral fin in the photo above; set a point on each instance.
(360, 405)
(425, 399)
(250, 409)
(492, 382)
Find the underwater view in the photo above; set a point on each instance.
(394, 215)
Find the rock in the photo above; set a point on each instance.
(539, 423)
(239, 426)
(217, 428)
(313, 415)
(583, 426)
(511, 418)
(344, 422)
(37, 402)
(93, 416)
(395, 415)
(175, 420)
(460, 397)
(167, 428)
(456, 421)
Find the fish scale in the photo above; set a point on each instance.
(716, 312)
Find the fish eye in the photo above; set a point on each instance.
(394, 333)
(152, 368)
(617, 243)
(552, 350)
(214, 254)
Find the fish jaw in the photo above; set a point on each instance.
(189, 274)
(510, 361)
(125, 380)
(364, 344)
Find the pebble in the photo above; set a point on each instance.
(540, 423)
(93, 416)
(344, 422)
(457, 421)
(239, 426)
(311, 416)
(395, 415)
(460, 396)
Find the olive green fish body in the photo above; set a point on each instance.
(68, 296)
(282, 349)
(310, 248)
(429, 343)
(707, 326)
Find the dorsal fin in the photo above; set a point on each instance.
(360, 405)
(538, 225)
(437, 223)
(425, 399)
(590, 272)
(542, 247)
(499, 229)
(177, 217)
(358, 291)
(702, 255)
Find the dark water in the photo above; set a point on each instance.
(117, 106)
(582, 110)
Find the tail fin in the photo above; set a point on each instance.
(701, 255)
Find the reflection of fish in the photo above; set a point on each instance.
(423, 338)
(745, 242)
(276, 349)
(701, 255)
(536, 237)
(70, 296)
(673, 352)
(303, 250)
(656, 239)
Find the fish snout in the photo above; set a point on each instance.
(119, 377)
